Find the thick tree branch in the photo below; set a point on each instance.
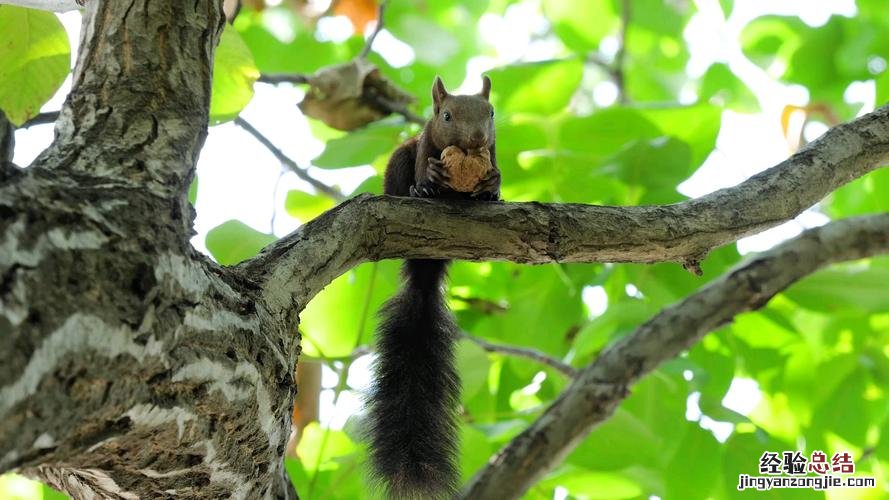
(293, 269)
(600, 387)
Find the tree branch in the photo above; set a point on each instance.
(42, 119)
(596, 392)
(618, 70)
(300, 172)
(524, 352)
(50, 5)
(368, 44)
(296, 267)
(276, 78)
(7, 138)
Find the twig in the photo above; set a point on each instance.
(483, 305)
(275, 200)
(620, 56)
(399, 109)
(42, 119)
(7, 139)
(524, 352)
(379, 27)
(300, 172)
(277, 78)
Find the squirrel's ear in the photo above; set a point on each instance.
(439, 93)
(486, 87)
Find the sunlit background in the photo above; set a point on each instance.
(240, 179)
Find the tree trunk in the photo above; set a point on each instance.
(134, 367)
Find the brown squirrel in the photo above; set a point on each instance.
(412, 404)
(465, 121)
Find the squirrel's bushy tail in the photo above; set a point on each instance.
(413, 399)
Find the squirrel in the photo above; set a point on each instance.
(412, 403)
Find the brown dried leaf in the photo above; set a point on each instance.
(351, 95)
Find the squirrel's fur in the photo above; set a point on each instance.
(412, 404)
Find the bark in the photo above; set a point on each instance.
(50, 5)
(135, 367)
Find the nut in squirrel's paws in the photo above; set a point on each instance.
(465, 170)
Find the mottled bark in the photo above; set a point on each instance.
(132, 366)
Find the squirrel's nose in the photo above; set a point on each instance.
(478, 138)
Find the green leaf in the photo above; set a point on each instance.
(854, 289)
(741, 455)
(581, 24)
(344, 314)
(318, 447)
(328, 464)
(35, 58)
(372, 185)
(233, 241)
(698, 126)
(699, 449)
(622, 441)
(472, 365)
(305, 206)
(234, 73)
(606, 132)
(771, 38)
(727, 7)
(360, 147)
(866, 195)
(713, 374)
(475, 451)
(52, 494)
(540, 87)
(283, 42)
(883, 89)
(721, 87)
(658, 166)
(594, 484)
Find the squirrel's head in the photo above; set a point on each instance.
(466, 121)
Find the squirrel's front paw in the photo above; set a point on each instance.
(425, 190)
(437, 172)
(488, 189)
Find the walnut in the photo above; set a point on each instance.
(466, 169)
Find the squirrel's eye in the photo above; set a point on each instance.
(492, 113)
(447, 116)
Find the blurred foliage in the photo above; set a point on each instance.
(817, 352)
